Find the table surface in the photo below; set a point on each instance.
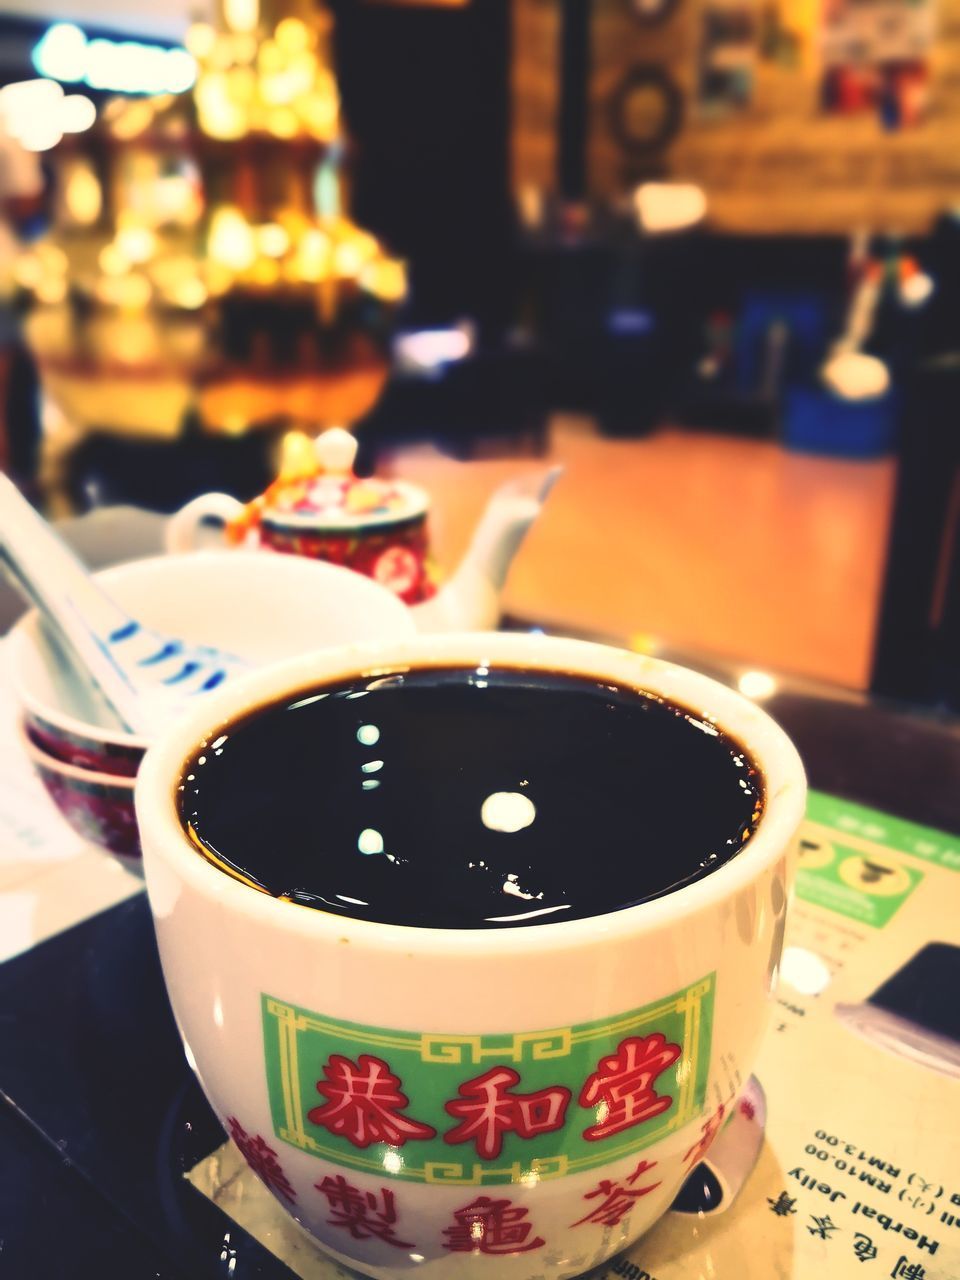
(101, 1113)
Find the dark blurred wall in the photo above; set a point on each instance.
(426, 94)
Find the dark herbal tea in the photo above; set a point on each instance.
(470, 798)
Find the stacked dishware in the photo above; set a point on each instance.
(256, 608)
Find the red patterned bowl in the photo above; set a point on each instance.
(118, 759)
(98, 806)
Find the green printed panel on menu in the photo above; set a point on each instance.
(845, 817)
(486, 1109)
(867, 887)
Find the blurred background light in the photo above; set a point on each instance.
(432, 348)
(65, 53)
(669, 206)
(854, 375)
(757, 684)
(37, 113)
(77, 113)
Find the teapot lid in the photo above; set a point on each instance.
(318, 488)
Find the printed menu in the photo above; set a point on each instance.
(842, 1157)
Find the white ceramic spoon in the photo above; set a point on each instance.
(144, 678)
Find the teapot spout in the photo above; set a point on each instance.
(470, 599)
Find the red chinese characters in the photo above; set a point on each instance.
(622, 1089)
(262, 1159)
(487, 1110)
(618, 1198)
(362, 1213)
(491, 1226)
(364, 1103)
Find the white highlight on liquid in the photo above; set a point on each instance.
(507, 811)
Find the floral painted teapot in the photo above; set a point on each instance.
(318, 507)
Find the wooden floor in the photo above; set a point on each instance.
(712, 543)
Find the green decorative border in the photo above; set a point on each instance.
(431, 1066)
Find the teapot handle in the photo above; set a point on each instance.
(183, 527)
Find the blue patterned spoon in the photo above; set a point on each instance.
(144, 678)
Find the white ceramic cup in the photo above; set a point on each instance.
(607, 1051)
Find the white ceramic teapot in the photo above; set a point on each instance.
(319, 508)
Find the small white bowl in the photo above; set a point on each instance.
(262, 608)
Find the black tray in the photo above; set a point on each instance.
(103, 1116)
